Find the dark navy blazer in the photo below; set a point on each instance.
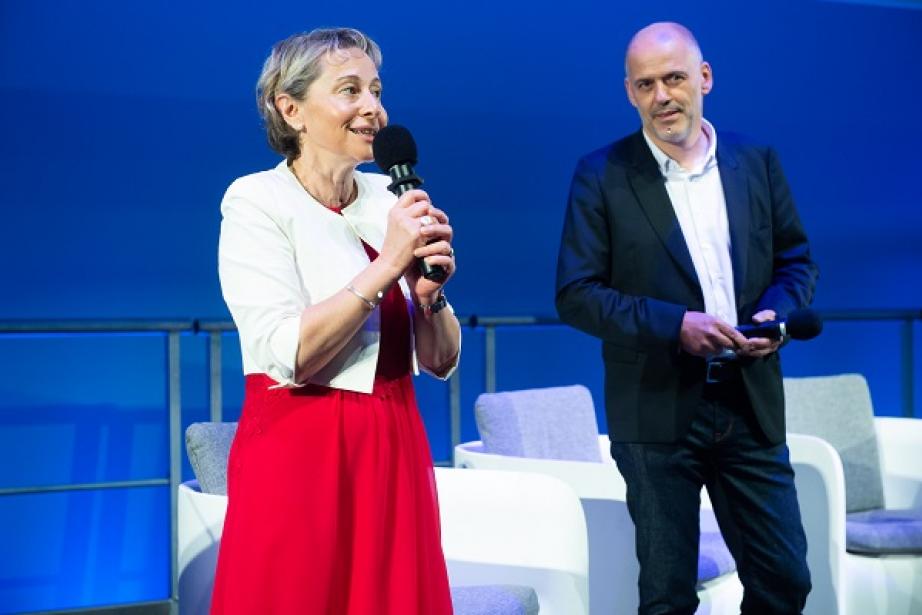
(625, 275)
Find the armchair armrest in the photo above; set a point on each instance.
(590, 480)
(500, 516)
(519, 529)
(820, 483)
(200, 524)
(900, 442)
(820, 480)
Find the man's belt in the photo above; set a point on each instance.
(720, 372)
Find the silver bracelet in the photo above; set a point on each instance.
(371, 304)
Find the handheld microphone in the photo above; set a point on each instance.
(802, 324)
(395, 153)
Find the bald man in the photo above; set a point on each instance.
(673, 236)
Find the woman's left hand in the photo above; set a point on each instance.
(437, 251)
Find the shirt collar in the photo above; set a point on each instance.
(668, 165)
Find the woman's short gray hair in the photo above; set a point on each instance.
(293, 65)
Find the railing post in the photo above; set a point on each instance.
(214, 376)
(454, 409)
(489, 360)
(175, 409)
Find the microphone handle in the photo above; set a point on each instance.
(405, 186)
(404, 180)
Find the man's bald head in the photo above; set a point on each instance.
(662, 34)
(666, 80)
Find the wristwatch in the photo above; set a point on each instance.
(434, 308)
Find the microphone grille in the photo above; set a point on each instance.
(393, 145)
(804, 324)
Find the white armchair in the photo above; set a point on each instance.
(553, 431)
(854, 471)
(613, 568)
(516, 529)
(498, 528)
(201, 523)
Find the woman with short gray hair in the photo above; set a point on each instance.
(332, 506)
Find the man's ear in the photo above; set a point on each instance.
(707, 78)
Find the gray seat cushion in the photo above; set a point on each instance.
(714, 558)
(838, 409)
(208, 446)
(879, 532)
(494, 600)
(548, 423)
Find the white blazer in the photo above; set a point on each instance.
(281, 251)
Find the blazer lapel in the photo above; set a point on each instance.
(647, 183)
(736, 194)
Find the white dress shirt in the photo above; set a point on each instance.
(281, 251)
(697, 196)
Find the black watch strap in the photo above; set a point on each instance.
(434, 308)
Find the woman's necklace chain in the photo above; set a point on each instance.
(349, 199)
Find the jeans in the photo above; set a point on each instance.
(751, 486)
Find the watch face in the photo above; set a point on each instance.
(439, 305)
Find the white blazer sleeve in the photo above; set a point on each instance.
(260, 281)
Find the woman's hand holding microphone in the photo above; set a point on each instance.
(418, 229)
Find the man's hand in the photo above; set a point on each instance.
(704, 335)
(757, 347)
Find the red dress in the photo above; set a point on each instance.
(332, 504)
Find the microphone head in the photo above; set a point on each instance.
(803, 324)
(393, 145)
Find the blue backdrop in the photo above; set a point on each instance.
(123, 123)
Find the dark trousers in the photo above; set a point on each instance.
(751, 486)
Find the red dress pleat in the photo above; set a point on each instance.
(332, 504)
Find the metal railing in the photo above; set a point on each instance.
(907, 344)
(173, 329)
(215, 329)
